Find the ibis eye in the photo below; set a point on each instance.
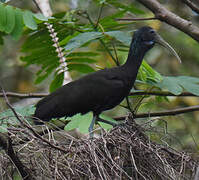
(152, 31)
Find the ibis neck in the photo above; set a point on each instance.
(134, 60)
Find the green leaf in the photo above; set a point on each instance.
(81, 122)
(17, 176)
(151, 73)
(7, 118)
(190, 84)
(40, 78)
(18, 28)
(83, 68)
(176, 84)
(188, 79)
(81, 60)
(41, 17)
(2, 17)
(109, 21)
(105, 125)
(171, 84)
(148, 75)
(39, 49)
(57, 82)
(74, 54)
(10, 19)
(128, 7)
(29, 20)
(121, 36)
(81, 39)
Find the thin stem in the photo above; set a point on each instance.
(139, 102)
(163, 113)
(101, 41)
(136, 19)
(37, 6)
(99, 16)
(116, 57)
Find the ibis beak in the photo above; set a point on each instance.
(161, 41)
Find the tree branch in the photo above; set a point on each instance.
(141, 93)
(172, 19)
(6, 144)
(160, 93)
(24, 95)
(191, 5)
(163, 113)
(136, 19)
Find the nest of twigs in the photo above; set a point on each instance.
(125, 152)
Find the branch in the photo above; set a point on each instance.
(163, 113)
(24, 95)
(191, 5)
(136, 19)
(6, 144)
(172, 19)
(160, 93)
(141, 93)
(29, 127)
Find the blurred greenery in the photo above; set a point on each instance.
(31, 57)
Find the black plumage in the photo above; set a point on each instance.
(101, 90)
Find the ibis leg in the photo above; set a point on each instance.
(90, 129)
(106, 121)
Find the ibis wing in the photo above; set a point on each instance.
(91, 93)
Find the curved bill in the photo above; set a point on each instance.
(161, 41)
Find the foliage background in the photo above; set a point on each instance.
(182, 131)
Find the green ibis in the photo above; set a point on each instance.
(103, 89)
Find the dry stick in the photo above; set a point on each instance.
(191, 5)
(6, 144)
(141, 115)
(99, 16)
(141, 93)
(29, 127)
(24, 95)
(172, 19)
(160, 93)
(163, 113)
(136, 19)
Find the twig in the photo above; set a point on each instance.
(197, 174)
(24, 95)
(141, 93)
(160, 93)
(100, 40)
(6, 144)
(134, 164)
(191, 5)
(136, 19)
(165, 15)
(34, 1)
(163, 113)
(28, 126)
(99, 16)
